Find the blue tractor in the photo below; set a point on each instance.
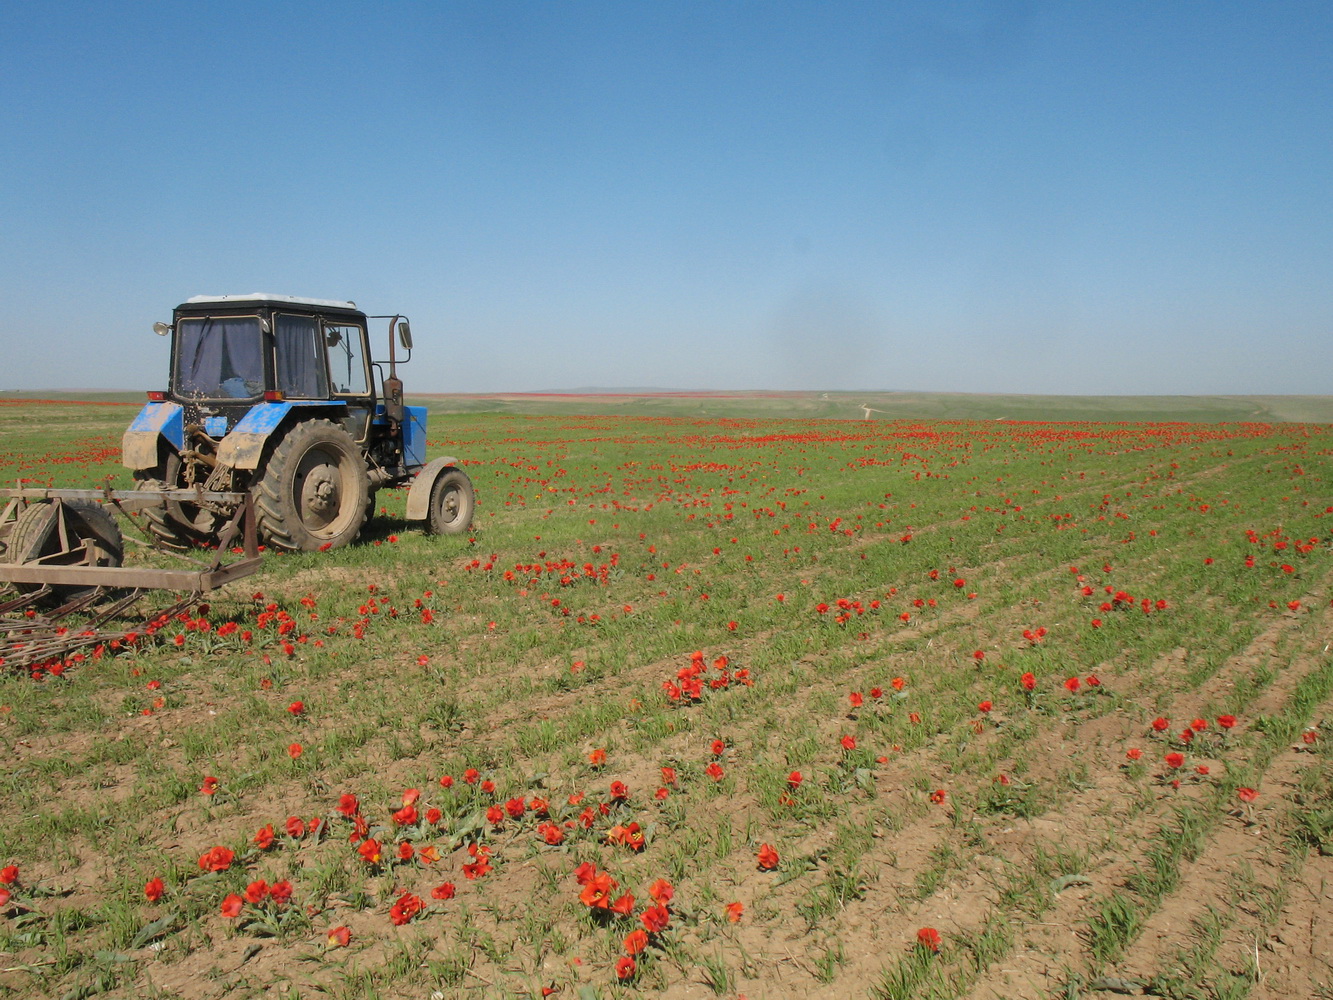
(279, 397)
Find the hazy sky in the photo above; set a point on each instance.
(980, 197)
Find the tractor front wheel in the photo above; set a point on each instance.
(176, 525)
(313, 490)
(452, 502)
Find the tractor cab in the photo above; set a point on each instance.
(231, 352)
(257, 379)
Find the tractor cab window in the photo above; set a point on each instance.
(219, 358)
(347, 359)
(302, 372)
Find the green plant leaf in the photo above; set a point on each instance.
(154, 930)
(1065, 881)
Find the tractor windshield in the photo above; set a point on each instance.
(219, 358)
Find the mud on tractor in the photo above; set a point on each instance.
(277, 427)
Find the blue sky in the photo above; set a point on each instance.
(1066, 197)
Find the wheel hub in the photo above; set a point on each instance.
(319, 492)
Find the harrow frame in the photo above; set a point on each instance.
(34, 621)
(70, 567)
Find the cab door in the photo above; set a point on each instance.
(349, 372)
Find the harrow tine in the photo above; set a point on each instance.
(77, 604)
(23, 601)
(22, 625)
(45, 639)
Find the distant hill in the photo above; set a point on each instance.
(897, 406)
(842, 405)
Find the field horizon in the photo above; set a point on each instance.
(839, 405)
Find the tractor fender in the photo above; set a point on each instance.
(243, 447)
(138, 446)
(418, 494)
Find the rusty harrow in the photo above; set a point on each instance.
(62, 559)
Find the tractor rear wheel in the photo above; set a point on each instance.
(177, 526)
(57, 532)
(452, 502)
(313, 490)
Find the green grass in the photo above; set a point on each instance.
(655, 531)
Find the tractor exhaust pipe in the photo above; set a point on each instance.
(393, 385)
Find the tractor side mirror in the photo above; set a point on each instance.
(161, 329)
(405, 334)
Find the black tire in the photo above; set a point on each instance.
(177, 526)
(452, 502)
(313, 491)
(37, 535)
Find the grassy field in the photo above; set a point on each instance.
(714, 702)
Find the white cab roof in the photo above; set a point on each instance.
(265, 297)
